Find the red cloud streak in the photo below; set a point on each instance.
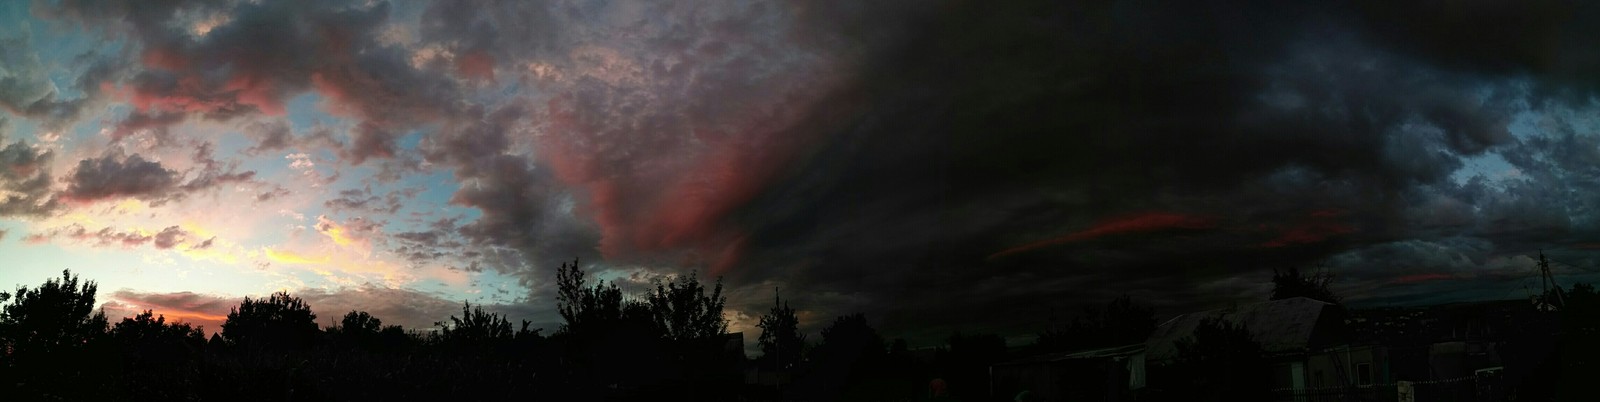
(1321, 226)
(675, 195)
(1148, 222)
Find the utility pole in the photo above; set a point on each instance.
(1546, 277)
(777, 303)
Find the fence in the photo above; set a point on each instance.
(1470, 388)
(1372, 393)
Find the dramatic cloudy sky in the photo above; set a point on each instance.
(938, 165)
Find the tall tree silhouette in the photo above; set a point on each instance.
(1220, 362)
(279, 321)
(359, 323)
(52, 342)
(966, 363)
(58, 314)
(781, 340)
(600, 308)
(1293, 283)
(475, 326)
(1118, 322)
(147, 330)
(607, 338)
(851, 337)
(850, 352)
(361, 329)
(684, 312)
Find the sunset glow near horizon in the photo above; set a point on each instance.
(895, 159)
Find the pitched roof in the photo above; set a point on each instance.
(1280, 326)
(1116, 351)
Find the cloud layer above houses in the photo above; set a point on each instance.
(938, 166)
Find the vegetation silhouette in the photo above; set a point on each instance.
(1118, 322)
(1292, 283)
(1220, 362)
(53, 340)
(669, 342)
(278, 322)
(781, 341)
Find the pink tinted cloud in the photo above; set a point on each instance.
(673, 190)
(1141, 223)
(476, 64)
(1319, 226)
(328, 49)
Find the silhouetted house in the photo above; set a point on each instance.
(216, 344)
(1305, 340)
(733, 344)
(1451, 341)
(1105, 374)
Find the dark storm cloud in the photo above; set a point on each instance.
(170, 237)
(222, 60)
(269, 136)
(25, 179)
(116, 176)
(27, 91)
(1548, 40)
(363, 200)
(156, 123)
(167, 238)
(928, 164)
(1298, 132)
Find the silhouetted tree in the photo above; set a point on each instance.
(147, 329)
(1221, 362)
(684, 312)
(358, 329)
(607, 339)
(51, 342)
(1580, 326)
(781, 340)
(1292, 283)
(56, 315)
(849, 353)
(966, 363)
(475, 326)
(600, 308)
(1118, 322)
(850, 335)
(279, 321)
(359, 323)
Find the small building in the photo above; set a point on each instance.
(1105, 374)
(1305, 340)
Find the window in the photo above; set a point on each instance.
(1364, 374)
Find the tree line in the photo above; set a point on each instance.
(54, 345)
(670, 343)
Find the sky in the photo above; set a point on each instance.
(937, 165)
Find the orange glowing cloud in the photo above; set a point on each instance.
(1143, 223)
(290, 257)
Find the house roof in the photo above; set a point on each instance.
(1117, 351)
(1280, 326)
